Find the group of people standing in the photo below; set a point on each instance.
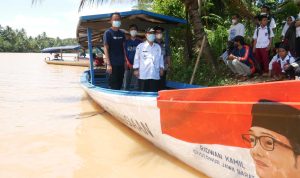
(134, 59)
(245, 60)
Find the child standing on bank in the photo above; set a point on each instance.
(262, 43)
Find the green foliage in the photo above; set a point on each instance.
(17, 41)
(181, 69)
(289, 9)
(217, 38)
(169, 7)
(216, 20)
(204, 75)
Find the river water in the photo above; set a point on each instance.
(49, 128)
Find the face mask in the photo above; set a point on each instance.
(116, 23)
(159, 36)
(133, 33)
(150, 37)
(233, 21)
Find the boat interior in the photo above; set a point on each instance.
(101, 80)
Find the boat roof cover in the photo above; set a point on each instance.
(101, 22)
(57, 49)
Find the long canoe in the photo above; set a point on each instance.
(203, 127)
(225, 132)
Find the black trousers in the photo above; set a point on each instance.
(297, 46)
(162, 81)
(149, 85)
(116, 77)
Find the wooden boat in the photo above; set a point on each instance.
(205, 127)
(60, 56)
(82, 63)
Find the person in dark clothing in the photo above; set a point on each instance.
(165, 51)
(293, 70)
(130, 48)
(114, 41)
(292, 38)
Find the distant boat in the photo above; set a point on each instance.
(66, 55)
(205, 127)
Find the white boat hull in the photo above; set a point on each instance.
(140, 112)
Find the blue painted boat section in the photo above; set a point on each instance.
(101, 85)
(179, 85)
(59, 48)
(166, 18)
(85, 82)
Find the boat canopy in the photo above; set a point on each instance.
(59, 49)
(101, 22)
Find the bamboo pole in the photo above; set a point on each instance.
(198, 59)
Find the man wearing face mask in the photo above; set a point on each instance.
(114, 41)
(148, 63)
(236, 29)
(130, 48)
(165, 52)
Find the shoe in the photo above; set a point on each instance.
(243, 78)
(265, 74)
(278, 77)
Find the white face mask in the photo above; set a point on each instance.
(159, 36)
(116, 23)
(233, 21)
(133, 33)
(150, 37)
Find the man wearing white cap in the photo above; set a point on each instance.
(148, 63)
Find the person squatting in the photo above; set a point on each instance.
(245, 60)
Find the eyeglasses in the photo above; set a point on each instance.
(266, 142)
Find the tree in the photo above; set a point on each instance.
(17, 41)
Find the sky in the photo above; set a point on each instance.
(58, 18)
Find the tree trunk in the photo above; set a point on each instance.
(188, 42)
(193, 10)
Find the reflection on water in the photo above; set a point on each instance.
(51, 128)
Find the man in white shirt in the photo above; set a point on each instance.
(148, 63)
(236, 29)
(262, 43)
